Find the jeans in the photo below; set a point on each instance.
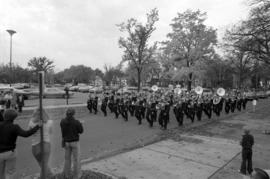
(36, 151)
(246, 165)
(8, 165)
(72, 156)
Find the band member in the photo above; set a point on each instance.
(110, 103)
(104, 105)
(124, 109)
(239, 104)
(138, 112)
(191, 111)
(95, 105)
(179, 113)
(148, 113)
(116, 107)
(90, 103)
(198, 109)
(227, 105)
(164, 115)
(244, 102)
(233, 104)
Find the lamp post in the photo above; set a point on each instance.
(11, 32)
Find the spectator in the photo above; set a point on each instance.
(36, 143)
(20, 102)
(8, 136)
(71, 128)
(247, 142)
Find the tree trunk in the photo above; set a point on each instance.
(139, 79)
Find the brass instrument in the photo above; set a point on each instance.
(198, 90)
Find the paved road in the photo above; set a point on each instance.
(102, 135)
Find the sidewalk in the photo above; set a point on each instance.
(30, 108)
(193, 157)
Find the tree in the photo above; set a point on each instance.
(190, 40)
(40, 64)
(137, 49)
(19, 74)
(112, 74)
(253, 34)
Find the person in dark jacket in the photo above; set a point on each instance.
(71, 130)
(8, 136)
(247, 142)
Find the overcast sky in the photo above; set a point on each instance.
(73, 32)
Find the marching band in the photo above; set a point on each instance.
(156, 105)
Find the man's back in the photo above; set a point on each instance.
(247, 141)
(71, 129)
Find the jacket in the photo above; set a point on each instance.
(71, 129)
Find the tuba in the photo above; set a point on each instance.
(216, 100)
(177, 91)
(221, 91)
(154, 88)
(198, 90)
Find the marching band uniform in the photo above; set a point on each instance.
(239, 104)
(111, 102)
(104, 106)
(124, 109)
(227, 105)
(198, 110)
(164, 115)
(148, 114)
(95, 105)
(138, 111)
(244, 102)
(179, 113)
(90, 104)
(233, 104)
(116, 108)
(191, 111)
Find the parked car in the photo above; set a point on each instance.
(85, 89)
(261, 94)
(96, 89)
(20, 85)
(127, 90)
(77, 87)
(50, 93)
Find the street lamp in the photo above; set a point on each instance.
(11, 32)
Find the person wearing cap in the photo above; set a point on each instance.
(8, 136)
(247, 142)
(71, 130)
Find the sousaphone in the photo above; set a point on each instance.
(221, 91)
(177, 91)
(198, 90)
(154, 88)
(216, 100)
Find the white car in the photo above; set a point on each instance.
(97, 89)
(50, 93)
(85, 89)
(127, 90)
